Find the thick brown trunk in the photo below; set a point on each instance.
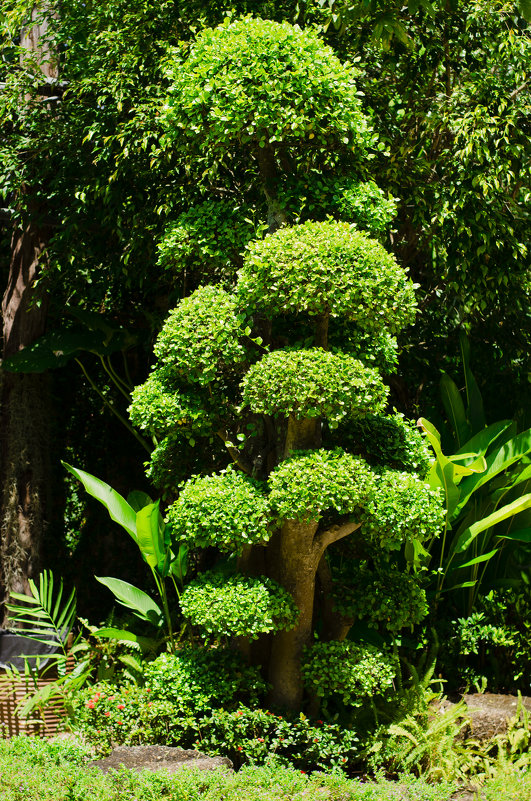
(24, 421)
(24, 399)
(296, 572)
(302, 434)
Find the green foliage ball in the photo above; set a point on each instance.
(348, 669)
(388, 598)
(313, 383)
(226, 510)
(207, 240)
(378, 349)
(401, 509)
(238, 605)
(258, 82)
(198, 679)
(316, 195)
(310, 483)
(162, 404)
(389, 440)
(321, 267)
(201, 335)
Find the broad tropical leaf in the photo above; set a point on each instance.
(150, 537)
(119, 510)
(133, 598)
(454, 407)
(497, 461)
(469, 535)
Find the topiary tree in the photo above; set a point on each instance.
(275, 368)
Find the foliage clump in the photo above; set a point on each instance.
(402, 509)
(313, 383)
(218, 101)
(227, 510)
(207, 241)
(239, 606)
(327, 267)
(386, 598)
(202, 335)
(198, 679)
(309, 483)
(389, 439)
(351, 670)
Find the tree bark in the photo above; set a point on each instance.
(25, 398)
(296, 572)
(24, 421)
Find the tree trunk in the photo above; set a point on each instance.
(24, 398)
(296, 572)
(24, 422)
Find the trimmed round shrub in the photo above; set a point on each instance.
(226, 509)
(390, 598)
(161, 404)
(310, 483)
(313, 383)
(321, 267)
(195, 679)
(238, 605)
(207, 240)
(348, 669)
(201, 335)
(255, 82)
(389, 440)
(402, 509)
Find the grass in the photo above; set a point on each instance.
(39, 770)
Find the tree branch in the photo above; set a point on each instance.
(325, 538)
(235, 454)
(518, 90)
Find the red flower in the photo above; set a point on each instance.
(240, 748)
(120, 706)
(90, 704)
(106, 714)
(316, 740)
(260, 739)
(119, 722)
(320, 721)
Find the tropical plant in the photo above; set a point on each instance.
(485, 483)
(46, 616)
(144, 524)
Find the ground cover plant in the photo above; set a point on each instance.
(34, 769)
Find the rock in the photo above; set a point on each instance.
(489, 713)
(159, 757)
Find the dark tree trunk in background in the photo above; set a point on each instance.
(24, 422)
(24, 398)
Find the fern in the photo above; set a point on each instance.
(44, 616)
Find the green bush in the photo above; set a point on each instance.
(313, 383)
(386, 597)
(227, 510)
(350, 670)
(255, 735)
(316, 268)
(240, 606)
(197, 679)
(254, 82)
